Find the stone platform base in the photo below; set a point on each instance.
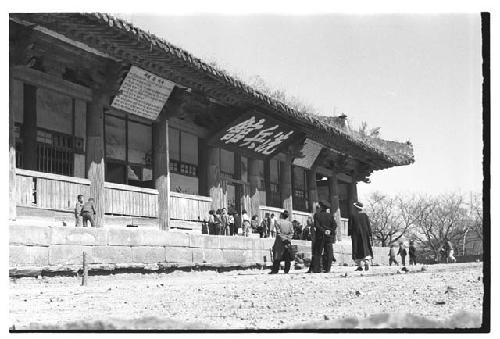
(39, 249)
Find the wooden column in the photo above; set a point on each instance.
(161, 170)
(254, 180)
(202, 167)
(334, 202)
(12, 154)
(313, 189)
(95, 153)
(286, 185)
(267, 181)
(29, 129)
(215, 189)
(353, 195)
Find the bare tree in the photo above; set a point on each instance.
(476, 214)
(385, 218)
(439, 219)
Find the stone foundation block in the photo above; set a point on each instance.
(29, 235)
(178, 255)
(231, 256)
(207, 256)
(68, 254)
(79, 236)
(28, 256)
(154, 237)
(111, 254)
(241, 243)
(125, 237)
(204, 241)
(148, 254)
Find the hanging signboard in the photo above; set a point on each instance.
(143, 93)
(310, 151)
(255, 135)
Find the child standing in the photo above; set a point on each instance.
(78, 211)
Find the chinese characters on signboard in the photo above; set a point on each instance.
(256, 134)
(143, 93)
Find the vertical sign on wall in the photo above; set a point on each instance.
(310, 151)
(143, 93)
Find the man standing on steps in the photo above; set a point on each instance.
(361, 235)
(325, 236)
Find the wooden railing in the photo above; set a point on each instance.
(130, 200)
(296, 215)
(271, 210)
(59, 192)
(189, 207)
(301, 217)
(47, 190)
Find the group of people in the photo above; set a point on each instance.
(84, 212)
(220, 222)
(323, 234)
(447, 253)
(402, 252)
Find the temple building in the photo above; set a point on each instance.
(158, 137)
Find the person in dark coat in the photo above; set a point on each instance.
(312, 234)
(392, 255)
(402, 253)
(237, 223)
(325, 237)
(218, 222)
(361, 236)
(412, 251)
(282, 244)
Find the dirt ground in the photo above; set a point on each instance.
(247, 299)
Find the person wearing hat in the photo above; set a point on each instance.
(282, 243)
(361, 236)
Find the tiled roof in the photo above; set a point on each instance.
(383, 153)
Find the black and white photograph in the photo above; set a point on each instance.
(259, 171)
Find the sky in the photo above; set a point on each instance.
(417, 76)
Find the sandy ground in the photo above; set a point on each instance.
(249, 299)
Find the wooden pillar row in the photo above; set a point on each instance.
(215, 189)
(29, 129)
(286, 185)
(161, 170)
(254, 180)
(12, 154)
(95, 153)
(334, 202)
(313, 189)
(353, 195)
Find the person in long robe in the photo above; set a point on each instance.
(361, 235)
(282, 243)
